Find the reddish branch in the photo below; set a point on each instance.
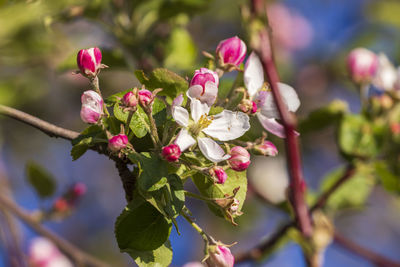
(297, 192)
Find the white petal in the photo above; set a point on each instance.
(197, 109)
(272, 126)
(180, 115)
(210, 93)
(228, 125)
(386, 76)
(184, 140)
(194, 92)
(289, 97)
(253, 74)
(211, 150)
(177, 101)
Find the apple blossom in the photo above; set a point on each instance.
(219, 173)
(204, 75)
(79, 189)
(240, 158)
(43, 253)
(221, 257)
(362, 64)
(92, 107)
(386, 76)
(232, 51)
(254, 81)
(225, 126)
(117, 142)
(89, 61)
(171, 153)
(130, 99)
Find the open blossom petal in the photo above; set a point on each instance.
(211, 150)
(289, 96)
(228, 125)
(184, 140)
(253, 74)
(180, 115)
(208, 96)
(177, 101)
(386, 76)
(272, 126)
(198, 109)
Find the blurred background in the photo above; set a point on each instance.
(39, 41)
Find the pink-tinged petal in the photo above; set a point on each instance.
(184, 140)
(362, 64)
(177, 101)
(89, 115)
(272, 126)
(198, 109)
(97, 55)
(89, 61)
(228, 125)
(180, 115)
(253, 75)
(386, 76)
(222, 257)
(208, 95)
(232, 50)
(204, 75)
(193, 264)
(211, 150)
(194, 92)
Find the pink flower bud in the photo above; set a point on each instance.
(193, 264)
(204, 75)
(232, 51)
(79, 189)
(253, 108)
(362, 65)
(267, 148)
(221, 257)
(240, 158)
(61, 205)
(248, 106)
(219, 173)
(129, 99)
(92, 107)
(117, 142)
(171, 153)
(89, 61)
(145, 97)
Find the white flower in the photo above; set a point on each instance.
(387, 76)
(254, 81)
(225, 126)
(207, 95)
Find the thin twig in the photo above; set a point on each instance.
(80, 257)
(297, 192)
(372, 256)
(48, 128)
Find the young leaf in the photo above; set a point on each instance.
(139, 122)
(160, 257)
(389, 181)
(89, 137)
(141, 227)
(41, 180)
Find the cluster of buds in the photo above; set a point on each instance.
(43, 253)
(64, 204)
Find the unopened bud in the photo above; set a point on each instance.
(89, 61)
(267, 148)
(204, 75)
(92, 107)
(61, 205)
(219, 173)
(130, 99)
(145, 97)
(248, 106)
(362, 65)
(79, 189)
(171, 152)
(117, 142)
(220, 256)
(231, 51)
(240, 158)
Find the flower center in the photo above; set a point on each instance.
(202, 123)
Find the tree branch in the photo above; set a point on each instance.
(73, 252)
(264, 49)
(48, 128)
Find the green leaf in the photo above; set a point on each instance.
(386, 12)
(389, 181)
(41, 180)
(211, 190)
(171, 83)
(356, 137)
(176, 195)
(89, 137)
(180, 43)
(141, 227)
(354, 192)
(139, 122)
(115, 98)
(323, 117)
(160, 257)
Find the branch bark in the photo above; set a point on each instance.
(80, 257)
(298, 187)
